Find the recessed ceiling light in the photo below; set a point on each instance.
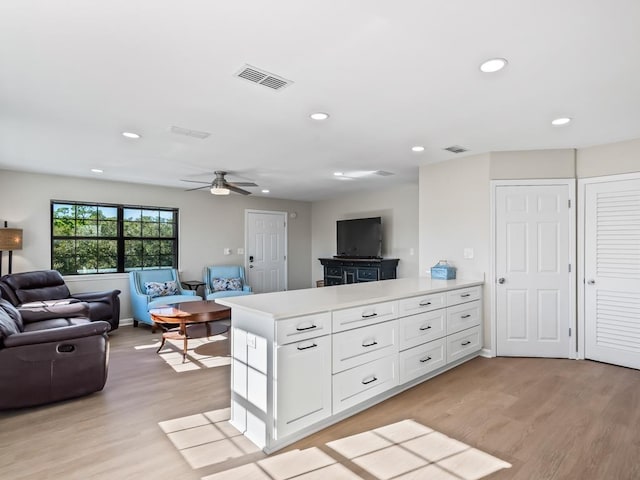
(493, 65)
(319, 116)
(338, 174)
(130, 135)
(265, 191)
(418, 148)
(97, 170)
(560, 121)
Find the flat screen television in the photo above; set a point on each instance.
(359, 238)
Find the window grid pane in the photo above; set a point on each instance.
(86, 238)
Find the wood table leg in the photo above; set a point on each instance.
(183, 331)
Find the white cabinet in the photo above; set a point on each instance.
(423, 359)
(358, 384)
(346, 348)
(364, 344)
(364, 315)
(303, 394)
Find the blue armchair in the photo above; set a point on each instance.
(224, 281)
(141, 302)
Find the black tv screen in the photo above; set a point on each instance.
(359, 238)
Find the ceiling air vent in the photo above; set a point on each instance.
(261, 77)
(456, 149)
(189, 133)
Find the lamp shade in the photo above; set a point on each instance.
(10, 239)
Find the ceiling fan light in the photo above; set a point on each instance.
(220, 191)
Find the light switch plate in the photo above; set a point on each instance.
(227, 251)
(468, 253)
(241, 251)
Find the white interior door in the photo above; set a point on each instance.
(266, 251)
(612, 272)
(533, 254)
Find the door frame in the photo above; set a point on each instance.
(284, 216)
(582, 197)
(570, 183)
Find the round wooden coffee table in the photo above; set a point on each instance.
(184, 314)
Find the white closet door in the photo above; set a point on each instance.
(533, 293)
(612, 272)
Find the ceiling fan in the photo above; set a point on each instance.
(220, 186)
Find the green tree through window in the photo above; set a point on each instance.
(101, 238)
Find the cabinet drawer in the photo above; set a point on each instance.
(462, 295)
(334, 271)
(463, 343)
(421, 360)
(424, 303)
(367, 274)
(421, 328)
(300, 328)
(364, 315)
(361, 383)
(361, 345)
(463, 316)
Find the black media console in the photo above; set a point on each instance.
(338, 271)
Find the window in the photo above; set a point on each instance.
(102, 238)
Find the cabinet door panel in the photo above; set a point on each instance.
(421, 360)
(303, 387)
(355, 347)
(303, 327)
(361, 383)
(423, 303)
(463, 316)
(463, 343)
(362, 316)
(421, 328)
(463, 295)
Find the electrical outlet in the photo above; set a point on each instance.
(241, 251)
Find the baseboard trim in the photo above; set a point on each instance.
(126, 321)
(486, 353)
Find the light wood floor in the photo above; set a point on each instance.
(550, 419)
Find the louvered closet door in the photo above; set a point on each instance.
(612, 272)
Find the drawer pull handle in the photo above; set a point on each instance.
(366, 382)
(313, 345)
(370, 344)
(464, 344)
(425, 304)
(465, 316)
(422, 360)
(425, 328)
(464, 295)
(374, 314)
(306, 328)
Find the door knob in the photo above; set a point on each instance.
(591, 281)
(501, 280)
(250, 266)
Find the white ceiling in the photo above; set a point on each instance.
(74, 74)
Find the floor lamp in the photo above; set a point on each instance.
(10, 240)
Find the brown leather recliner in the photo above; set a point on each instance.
(48, 285)
(47, 356)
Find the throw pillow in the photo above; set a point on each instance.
(224, 284)
(161, 289)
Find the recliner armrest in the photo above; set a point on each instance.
(46, 312)
(56, 334)
(107, 296)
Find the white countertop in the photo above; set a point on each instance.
(293, 303)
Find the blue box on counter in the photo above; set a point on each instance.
(443, 271)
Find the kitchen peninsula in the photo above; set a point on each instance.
(304, 359)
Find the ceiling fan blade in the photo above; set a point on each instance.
(243, 184)
(198, 188)
(194, 181)
(235, 189)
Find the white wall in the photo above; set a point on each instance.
(398, 207)
(610, 159)
(208, 225)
